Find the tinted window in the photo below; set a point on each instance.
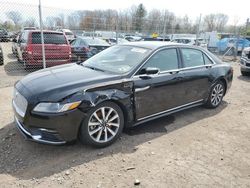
(49, 38)
(192, 57)
(163, 60)
(207, 60)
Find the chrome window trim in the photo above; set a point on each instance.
(174, 70)
(171, 109)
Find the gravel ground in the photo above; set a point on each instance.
(194, 148)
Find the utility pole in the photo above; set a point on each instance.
(41, 29)
(164, 27)
(198, 31)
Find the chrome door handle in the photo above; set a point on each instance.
(142, 89)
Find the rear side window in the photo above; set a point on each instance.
(192, 57)
(49, 38)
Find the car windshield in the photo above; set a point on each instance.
(117, 59)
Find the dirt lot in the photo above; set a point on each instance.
(194, 148)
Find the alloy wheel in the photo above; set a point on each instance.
(217, 94)
(103, 124)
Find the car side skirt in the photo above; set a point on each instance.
(169, 111)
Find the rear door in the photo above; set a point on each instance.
(197, 72)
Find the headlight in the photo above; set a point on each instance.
(56, 107)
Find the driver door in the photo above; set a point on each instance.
(159, 92)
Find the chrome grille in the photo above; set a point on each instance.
(20, 103)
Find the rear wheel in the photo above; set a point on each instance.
(216, 95)
(103, 125)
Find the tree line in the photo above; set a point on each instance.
(130, 20)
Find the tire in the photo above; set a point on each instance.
(243, 73)
(105, 131)
(216, 95)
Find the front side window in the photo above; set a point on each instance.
(192, 57)
(164, 60)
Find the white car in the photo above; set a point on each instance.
(245, 62)
(191, 41)
(69, 34)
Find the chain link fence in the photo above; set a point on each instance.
(31, 41)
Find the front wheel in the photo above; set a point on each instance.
(103, 125)
(216, 95)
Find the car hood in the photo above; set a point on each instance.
(53, 84)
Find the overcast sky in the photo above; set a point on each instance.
(192, 8)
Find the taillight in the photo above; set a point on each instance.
(85, 49)
(29, 49)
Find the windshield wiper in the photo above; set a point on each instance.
(93, 68)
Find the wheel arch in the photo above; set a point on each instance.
(223, 80)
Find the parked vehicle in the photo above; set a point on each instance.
(85, 47)
(123, 86)
(29, 48)
(245, 62)
(29, 28)
(15, 44)
(189, 41)
(1, 56)
(69, 34)
(112, 41)
(154, 39)
(4, 36)
(132, 38)
(229, 44)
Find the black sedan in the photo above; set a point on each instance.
(122, 86)
(83, 48)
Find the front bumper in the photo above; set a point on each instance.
(53, 129)
(245, 64)
(43, 136)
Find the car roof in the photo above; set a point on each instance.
(44, 31)
(154, 44)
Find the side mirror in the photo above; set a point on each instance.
(147, 72)
(150, 70)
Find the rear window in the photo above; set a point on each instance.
(69, 33)
(49, 38)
